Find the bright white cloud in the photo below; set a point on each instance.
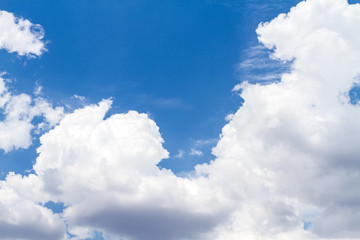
(18, 112)
(22, 217)
(105, 171)
(20, 35)
(291, 151)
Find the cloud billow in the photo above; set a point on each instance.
(298, 139)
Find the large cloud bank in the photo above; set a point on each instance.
(286, 167)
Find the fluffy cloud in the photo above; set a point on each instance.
(22, 217)
(286, 167)
(295, 143)
(20, 35)
(18, 112)
(105, 171)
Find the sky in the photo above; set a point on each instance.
(176, 61)
(214, 119)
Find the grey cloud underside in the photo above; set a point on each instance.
(149, 222)
(27, 231)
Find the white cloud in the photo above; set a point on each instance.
(81, 98)
(20, 35)
(38, 89)
(291, 151)
(22, 217)
(105, 171)
(18, 112)
(193, 151)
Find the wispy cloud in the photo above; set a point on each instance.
(255, 6)
(202, 142)
(258, 66)
(180, 154)
(163, 102)
(81, 98)
(195, 152)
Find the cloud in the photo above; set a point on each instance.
(18, 112)
(291, 151)
(259, 67)
(21, 216)
(204, 142)
(20, 35)
(163, 102)
(180, 154)
(81, 98)
(194, 152)
(286, 160)
(105, 171)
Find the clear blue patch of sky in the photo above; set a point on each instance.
(308, 225)
(353, 1)
(55, 207)
(354, 94)
(175, 60)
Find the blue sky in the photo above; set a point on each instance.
(175, 60)
(172, 120)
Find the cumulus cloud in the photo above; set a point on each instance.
(105, 171)
(18, 112)
(291, 151)
(22, 217)
(286, 166)
(20, 35)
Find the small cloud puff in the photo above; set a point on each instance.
(194, 152)
(20, 35)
